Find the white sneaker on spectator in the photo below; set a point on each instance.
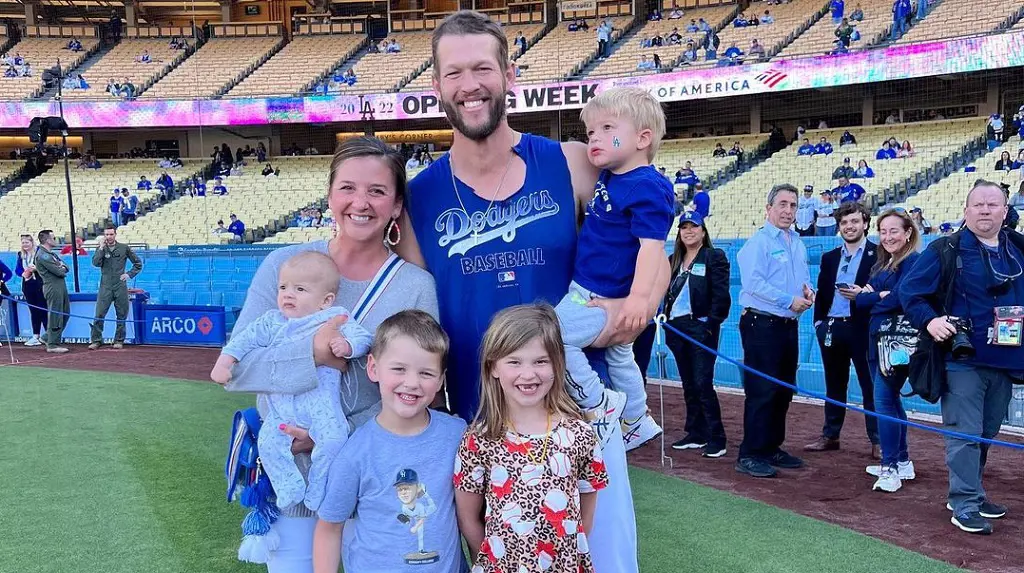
(636, 433)
(889, 481)
(34, 341)
(605, 415)
(904, 469)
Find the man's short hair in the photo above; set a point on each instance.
(635, 104)
(781, 188)
(851, 207)
(469, 23)
(109, 227)
(44, 234)
(417, 325)
(987, 183)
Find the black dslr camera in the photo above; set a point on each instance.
(961, 346)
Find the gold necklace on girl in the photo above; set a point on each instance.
(547, 440)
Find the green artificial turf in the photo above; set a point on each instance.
(123, 474)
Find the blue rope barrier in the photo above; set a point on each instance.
(67, 314)
(662, 322)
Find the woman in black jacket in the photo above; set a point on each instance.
(697, 304)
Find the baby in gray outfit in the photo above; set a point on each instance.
(307, 286)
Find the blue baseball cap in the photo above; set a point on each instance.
(691, 217)
(407, 476)
(946, 227)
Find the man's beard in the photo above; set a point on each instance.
(482, 132)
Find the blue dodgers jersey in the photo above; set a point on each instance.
(625, 208)
(523, 252)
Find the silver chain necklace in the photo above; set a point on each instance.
(455, 186)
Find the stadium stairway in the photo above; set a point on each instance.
(342, 67)
(238, 79)
(629, 36)
(942, 168)
(81, 69)
(887, 39)
(772, 51)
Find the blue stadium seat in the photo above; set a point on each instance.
(223, 286)
(234, 299)
(204, 299)
(223, 265)
(182, 298)
(177, 265)
(173, 286)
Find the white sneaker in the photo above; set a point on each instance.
(640, 431)
(34, 341)
(904, 469)
(889, 481)
(605, 415)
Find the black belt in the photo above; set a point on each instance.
(768, 315)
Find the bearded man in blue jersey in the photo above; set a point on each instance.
(494, 221)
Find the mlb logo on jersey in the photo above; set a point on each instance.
(506, 276)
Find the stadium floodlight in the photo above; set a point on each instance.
(38, 130)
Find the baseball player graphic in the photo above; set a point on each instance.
(417, 506)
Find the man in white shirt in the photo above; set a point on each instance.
(805, 212)
(825, 224)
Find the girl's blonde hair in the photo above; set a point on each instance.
(892, 262)
(510, 330)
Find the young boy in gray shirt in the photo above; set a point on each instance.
(391, 485)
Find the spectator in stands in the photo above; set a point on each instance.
(733, 54)
(946, 229)
(690, 53)
(236, 228)
(848, 192)
(657, 41)
(144, 57)
(863, 171)
(847, 138)
(806, 149)
(736, 151)
(144, 184)
(1004, 163)
(1019, 162)
(892, 118)
(74, 45)
(1017, 199)
(825, 223)
(756, 49)
(805, 212)
(220, 229)
(924, 226)
(823, 147)
(113, 88)
(857, 15)
(901, 10)
(719, 151)
(675, 38)
(686, 176)
(114, 26)
(701, 201)
(261, 152)
(844, 33)
(692, 28)
(129, 207)
(906, 150)
(394, 47)
(675, 14)
(886, 152)
(115, 207)
(837, 7)
(740, 21)
(305, 219)
(657, 62)
(711, 43)
(767, 18)
(520, 42)
(218, 187)
(702, 25)
(604, 37)
(922, 9)
(644, 64)
(655, 15)
(199, 186)
(844, 170)
(128, 89)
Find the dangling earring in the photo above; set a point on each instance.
(397, 231)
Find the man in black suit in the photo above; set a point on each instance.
(841, 329)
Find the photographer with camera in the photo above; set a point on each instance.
(967, 292)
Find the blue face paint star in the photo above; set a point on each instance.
(616, 142)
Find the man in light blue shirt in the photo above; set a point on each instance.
(775, 291)
(805, 212)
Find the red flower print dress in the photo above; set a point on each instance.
(532, 487)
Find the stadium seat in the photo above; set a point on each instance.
(387, 71)
(951, 19)
(298, 65)
(819, 38)
(91, 189)
(561, 53)
(40, 54)
(120, 62)
(213, 67)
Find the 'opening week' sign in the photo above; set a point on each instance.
(892, 63)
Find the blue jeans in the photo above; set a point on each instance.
(899, 26)
(892, 436)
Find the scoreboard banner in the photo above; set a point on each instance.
(879, 65)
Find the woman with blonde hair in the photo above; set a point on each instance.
(900, 241)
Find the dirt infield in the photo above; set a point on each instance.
(833, 487)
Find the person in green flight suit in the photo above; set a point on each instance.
(52, 270)
(111, 257)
